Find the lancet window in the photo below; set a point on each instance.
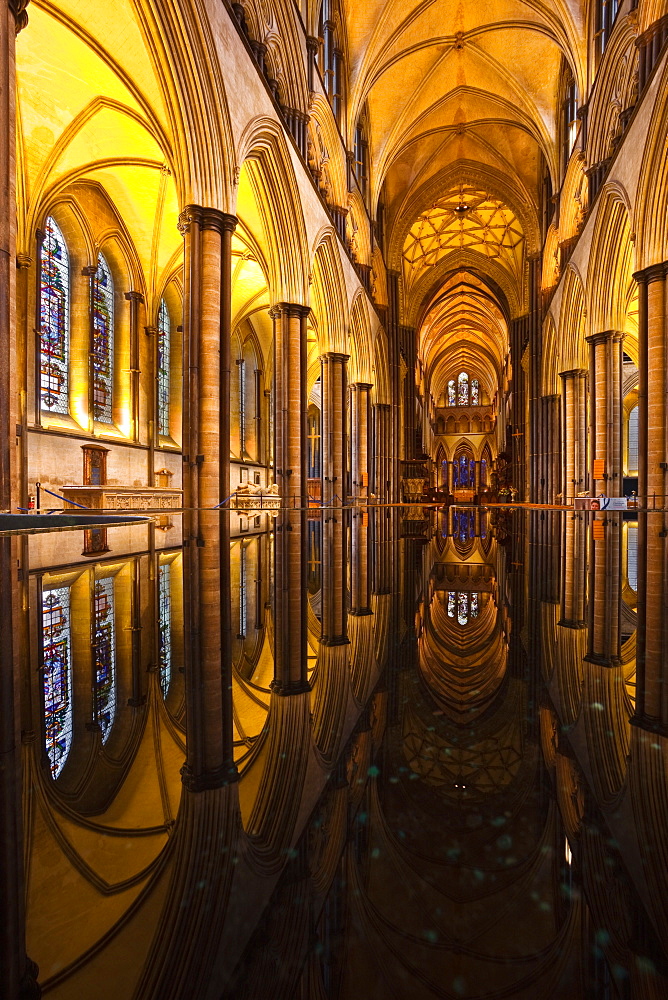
(164, 347)
(103, 342)
(104, 654)
(57, 676)
(463, 391)
(462, 606)
(54, 320)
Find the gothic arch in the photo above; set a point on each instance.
(572, 322)
(610, 266)
(328, 293)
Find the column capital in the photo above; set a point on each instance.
(289, 309)
(574, 373)
(134, 296)
(18, 9)
(206, 218)
(604, 336)
(89, 270)
(655, 272)
(382, 406)
(335, 356)
(225, 775)
(361, 385)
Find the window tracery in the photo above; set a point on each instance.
(103, 342)
(463, 391)
(54, 320)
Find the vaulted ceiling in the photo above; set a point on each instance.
(462, 101)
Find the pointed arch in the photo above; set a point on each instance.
(611, 261)
(328, 294)
(572, 322)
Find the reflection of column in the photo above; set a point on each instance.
(290, 604)
(18, 972)
(574, 422)
(206, 482)
(605, 591)
(605, 398)
(359, 567)
(550, 448)
(359, 425)
(290, 400)
(573, 572)
(333, 376)
(334, 577)
(652, 660)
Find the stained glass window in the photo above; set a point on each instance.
(54, 320)
(164, 334)
(104, 654)
(444, 474)
(103, 342)
(57, 676)
(164, 627)
(463, 389)
(633, 442)
(483, 472)
(242, 404)
(463, 606)
(475, 392)
(452, 393)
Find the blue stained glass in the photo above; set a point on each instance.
(164, 627)
(104, 654)
(54, 320)
(464, 480)
(164, 347)
(483, 472)
(103, 342)
(452, 394)
(57, 676)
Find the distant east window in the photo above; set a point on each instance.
(463, 391)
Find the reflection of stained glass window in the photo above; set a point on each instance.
(57, 657)
(464, 606)
(474, 606)
(103, 342)
(54, 320)
(452, 394)
(475, 392)
(463, 525)
(164, 333)
(451, 604)
(164, 627)
(243, 599)
(104, 654)
(463, 389)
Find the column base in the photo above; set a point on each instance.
(602, 661)
(571, 623)
(341, 640)
(650, 724)
(283, 690)
(361, 612)
(225, 775)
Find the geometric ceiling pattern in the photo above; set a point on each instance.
(465, 219)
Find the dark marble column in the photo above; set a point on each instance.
(333, 376)
(359, 427)
(604, 646)
(574, 423)
(605, 392)
(290, 401)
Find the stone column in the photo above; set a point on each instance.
(605, 592)
(359, 427)
(574, 422)
(380, 484)
(290, 401)
(605, 401)
(206, 483)
(333, 378)
(13, 17)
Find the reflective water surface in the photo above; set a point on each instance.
(370, 753)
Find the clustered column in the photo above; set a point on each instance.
(333, 378)
(359, 427)
(574, 422)
(206, 483)
(604, 632)
(605, 401)
(290, 569)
